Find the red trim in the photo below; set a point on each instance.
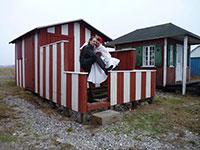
(71, 48)
(143, 85)
(69, 91)
(98, 105)
(22, 72)
(15, 64)
(58, 29)
(108, 81)
(50, 72)
(82, 92)
(38, 70)
(59, 73)
(132, 86)
(82, 34)
(153, 83)
(18, 74)
(44, 72)
(120, 87)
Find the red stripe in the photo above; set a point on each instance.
(50, 72)
(82, 92)
(58, 29)
(82, 39)
(70, 55)
(15, 64)
(92, 33)
(38, 70)
(59, 73)
(22, 72)
(66, 66)
(33, 63)
(153, 83)
(108, 81)
(132, 86)
(143, 85)
(69, 91)
(18, 73)
(82, 34)
(96, 106)
(120, 87)
(44, 72)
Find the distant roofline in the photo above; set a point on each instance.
(120, 39)
(40, 27)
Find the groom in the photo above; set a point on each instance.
(88, 57)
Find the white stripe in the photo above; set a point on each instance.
(87, 35)
(113, 88)
(76, 46)
(126, 87)
(64, 30)
(23, 63)
(63, 78)
(36, 62)
(55, 73)
(17, 71)
(57, 42)
(20, 73)
(75, 92)
(41, 71)
(47, 72)
(148, 84)
(138, 86)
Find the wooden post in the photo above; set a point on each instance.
(184, 65)
(165, 63)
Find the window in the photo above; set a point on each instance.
(149, 56)
(51, 30)
(171, 52)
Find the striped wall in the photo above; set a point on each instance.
(69, 88)
(127, 86)
(20, 68)
(66, 88)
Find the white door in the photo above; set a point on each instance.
(179, 62)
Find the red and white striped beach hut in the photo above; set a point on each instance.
(47, 63)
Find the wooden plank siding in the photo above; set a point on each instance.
(132, 85)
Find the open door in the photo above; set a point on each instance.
(179, 62)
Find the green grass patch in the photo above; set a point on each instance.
(146, 122)
(7, 138)
(7, 71)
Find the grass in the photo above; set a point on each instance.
(164, 116)
(7, 71)
(6, 138)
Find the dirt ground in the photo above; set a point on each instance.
(29, 122)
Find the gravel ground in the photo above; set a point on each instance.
(36, 129)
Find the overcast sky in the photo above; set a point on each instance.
(112, 17)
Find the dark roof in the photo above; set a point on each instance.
(105, 37)
(156, 32)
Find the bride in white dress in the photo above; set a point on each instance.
(97, 75)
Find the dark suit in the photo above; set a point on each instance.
(88, 57)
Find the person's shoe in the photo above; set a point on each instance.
(108, 69)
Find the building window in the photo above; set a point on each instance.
(51, 30)
(149, 56)
(171, 52)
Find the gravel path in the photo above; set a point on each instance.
(39, 130)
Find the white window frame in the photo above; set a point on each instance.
(171, 56)
(146, 59)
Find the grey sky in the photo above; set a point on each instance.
(112, 17)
